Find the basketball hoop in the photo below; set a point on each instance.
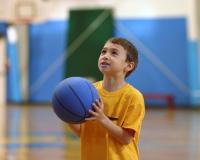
(25, 11)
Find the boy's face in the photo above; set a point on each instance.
(112, 60)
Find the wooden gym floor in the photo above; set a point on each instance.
(35, 133)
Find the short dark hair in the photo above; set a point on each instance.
(132, 52)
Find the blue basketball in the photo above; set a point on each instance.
(72, 99)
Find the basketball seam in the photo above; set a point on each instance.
(78, 98)
(91, 91)
(66, 108)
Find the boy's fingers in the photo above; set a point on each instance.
(97, 109)
(100, 103)
(100, 100)
(96, 105)
(92, 112)
(90, 118)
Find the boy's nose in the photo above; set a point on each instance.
(105, 57)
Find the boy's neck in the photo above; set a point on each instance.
(112, 84)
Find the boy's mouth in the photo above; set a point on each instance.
(104, 64)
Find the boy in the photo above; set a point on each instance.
(112, 131)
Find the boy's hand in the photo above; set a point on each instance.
(97, 112)
(124, 136)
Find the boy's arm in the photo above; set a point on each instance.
(76, 128)
(124, 136)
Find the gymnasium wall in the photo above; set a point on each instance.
(164, 32)
(46, 66)
(3, 27)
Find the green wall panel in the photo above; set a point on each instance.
(88, 31)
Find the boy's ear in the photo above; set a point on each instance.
(130, 66)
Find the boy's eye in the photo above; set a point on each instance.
(114, 53)
(103, 51)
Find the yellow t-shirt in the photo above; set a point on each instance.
(125, 107)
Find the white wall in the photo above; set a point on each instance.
(58, 9)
